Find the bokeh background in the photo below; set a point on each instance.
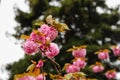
(94, 23)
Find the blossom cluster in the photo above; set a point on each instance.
(80, 52)
(39, 77)
(79, 62)
(41, 41)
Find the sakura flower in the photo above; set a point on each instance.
(103, 55)
(111, 74)
(72, 68)
(40, 64)
(41, 77)
(44, 29)
(37, 37)
(80, 62)
(52, 51)
(79, 53)
(30, 47)
(116, 50)
(50, 32)
(97, 68)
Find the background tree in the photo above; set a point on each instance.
(88, 26)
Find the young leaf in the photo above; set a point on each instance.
(24, 37)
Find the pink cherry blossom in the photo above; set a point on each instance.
(116, 51)
(41, 77)
(52, 51)
(27, 78)
(110, 74)
(72, 69)
(44, 29)
(50, 32)
(40, 64)
(79, 53)
(38, 38)
(30, 47)
(103, 55)
(97, 68)
(80, 63)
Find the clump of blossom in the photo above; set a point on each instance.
(98, 67)
(79, 53)
(52, 50)
(116, 50)
(50, 32)
(103, 54)
(40, 64)
(80, 62)
(30, 47)
(37, 37)
(111, 74)
(72, 68)
(44, 29)
(39, 40)
(41, 77)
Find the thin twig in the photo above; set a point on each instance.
(56, 65)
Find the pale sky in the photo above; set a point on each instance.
(9, 51)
